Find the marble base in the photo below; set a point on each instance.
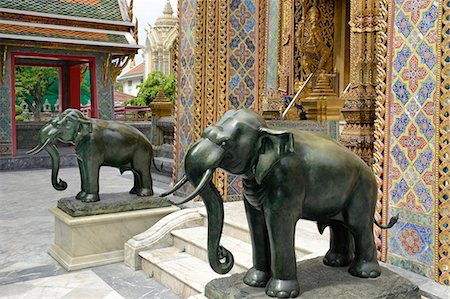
(319, 281)
(87, 241)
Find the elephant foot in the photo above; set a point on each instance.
(282, 288)
(80, 195)
(90, 197)
(144, 192)
(256, 278)
(365, 269)
(337, 259)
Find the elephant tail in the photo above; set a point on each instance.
(391, 223)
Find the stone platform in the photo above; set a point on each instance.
(92, 234)
(319, 281)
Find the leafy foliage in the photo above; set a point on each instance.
(149, 90)
(32, 83)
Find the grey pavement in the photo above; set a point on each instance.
(27, 231)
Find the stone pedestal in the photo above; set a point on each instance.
(319, 281)
(87, 241)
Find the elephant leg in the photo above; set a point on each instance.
(360, 223)
(136, 184)
(281, 228)
(145, 179)
(259, 274)
(92, 172)
(82, 193)
(341, 247)
(365, 263)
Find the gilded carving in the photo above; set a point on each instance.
(285, 48)
(380, 120)
(442, 204)
(314, 37)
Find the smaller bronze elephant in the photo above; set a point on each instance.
(98, 143)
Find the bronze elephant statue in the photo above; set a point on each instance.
(98, 143)
(286, 176)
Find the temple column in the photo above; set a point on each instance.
(360, 95)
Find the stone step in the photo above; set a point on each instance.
(185, 274)
(308, 240)
(194, 242)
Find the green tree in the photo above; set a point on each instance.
(32, 83)
(149, 90)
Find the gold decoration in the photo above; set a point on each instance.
(323, 103)
(263, 25)
(130, 10)
(442, 205)
(285, 72)
(116, 64)
(4, 54)
(314, 37)
(359, 106)
(380, 120)
(176, 137)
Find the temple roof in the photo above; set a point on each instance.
(136, 71)
(99, 24)
(112, 10)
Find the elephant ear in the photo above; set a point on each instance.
(272, 144)
(84, 129)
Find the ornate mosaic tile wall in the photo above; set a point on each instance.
(243, 37)
(185, 105)
(272, 45)
(411, 130)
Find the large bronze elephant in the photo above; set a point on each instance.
(98, 143)
(286, 176)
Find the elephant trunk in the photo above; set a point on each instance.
(54, 154)
(47, 135)
(201, 161)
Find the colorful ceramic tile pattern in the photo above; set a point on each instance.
(242, 28)
(185, 122)
(412, 134)
(242, 58)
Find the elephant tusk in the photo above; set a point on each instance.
(38, 148)
(177, 186)
(203, 182)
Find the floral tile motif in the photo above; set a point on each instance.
(412, 142)
(414, 7)
(402, 58)
(412, 134)
(403, 25)
(426, 54)
(413, 73)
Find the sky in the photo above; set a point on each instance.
(147, 11)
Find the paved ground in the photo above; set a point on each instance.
(26, 232)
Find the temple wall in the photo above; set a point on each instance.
(411, 147)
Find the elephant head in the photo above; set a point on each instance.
(241, 144)
(69, 127)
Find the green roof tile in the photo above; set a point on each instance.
(94, 9)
